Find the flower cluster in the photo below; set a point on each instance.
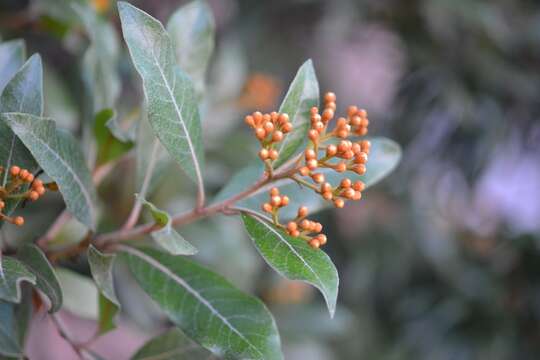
(329, 150)
(269, 130)
(21, 185)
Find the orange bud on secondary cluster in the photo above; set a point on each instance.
(21, 184)
(329, 149)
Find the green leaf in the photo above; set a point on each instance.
(12, 55)
(101, 58)
(172, 107)
(101, 267)
(80, 294)
(166, 237)
(384, 156)
(58, 153)
(107, 312)
(46, 280)
(192, 29)
(109, 146)
(205, 306)
(303, 94)
(294, 258)
(9, 343)
(24, 94)
(172, 345)
(12, 274)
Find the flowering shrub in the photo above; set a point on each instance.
(309, 157)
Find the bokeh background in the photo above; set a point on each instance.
(439, 261)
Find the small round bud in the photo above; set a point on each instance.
(305, 224)
(263, 154)
(312, 164)
(302, 211)
(274, 116)
(349, 193)
(285, 200)
(319, 126)
(317, 227)
(339, 203)
(295, 233)
(257, 116)
(329, 97)
(23, 174)
(273, 154)
(250, 121)
(352, 110)
(33, 195)
(322, 239)
(2, 204)
(365, 145)
(310, 154)
(37, 183)
(327, 195)
(274, 191)
(362, 131)
(356, 120)
(342, 134)
(341, 167)
(40, 190)
(268, 127)
(346, 183)
(315, 118)
(266, 118)
(341, 122)
(359, 186)
(356, 148)
(292, 226)
(364, 122)
(275, 201)
(331, 106)
(287, 128)
(304, 171)
(327, 115)
(19, 221)
(260, 133)
(277, 136)
(331, 150)
(361, 158)
(314, 110)
(362, 113)
(343, 146)
(347, 155)
(267, 207)
(313, 135)
(318, 178)
(314, 243)
(357, 195)
(360, 169)
(15, 170)
(283, 119)
(326, 187)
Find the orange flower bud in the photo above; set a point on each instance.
(285, 200)
(318, 178)
(287, 128)
(292, 226)
(37, 183)
(33, 195)
(267, 207)
(273, 154)
(329, 97)
(319, 126)
(250, 120)
(322, 239)
(349, 193)
(349, 154)
(352, 110)
(314, 110)
(2, 204)
(356, 120)
(274, 191)
(295, 233)
(275, 201)
(346, 183)
(357, 195)
(361, 158)
(266, 118)
(331, 106)
(356, 148)
(341, 122)
(15, 170)
(258, 117)
(277, 136)
(283, 118)
(315, 118)
(331, 150)
(360, 169)
(364, 122)
(274, 116)
(19, 221)
(365, 145)
(263, 154)
(313, 135)
(312, 164)
(302, 211)
(327, 195)
(342, 134)
(362, 131)
(314, 243)
(339, 203)
(318, 227)
(23, 174)
(310, 154)
(269, 127)
(341, 167)
(359, 186)
(327, 115)
(260, 133)
(304, 171)
(326, 187)
(362, 113)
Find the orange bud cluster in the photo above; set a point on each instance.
(276, 201)
(306, 229)
(18, 179)
(269, 129)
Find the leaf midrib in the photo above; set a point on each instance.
(165, 270)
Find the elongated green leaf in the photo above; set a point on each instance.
(101, 266)
(24, 93)
(172, 345)
(12, 274)
(303, 94)
(9, 343)
(46, 279)
(171, 101)
(192, 28)
(294, 258)
(101, 58)
(59, 155)
(80, 294)
(12, 55)
(384, 157)
(205, 306)
(109, 146)
(166, 237)
(107, 312)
